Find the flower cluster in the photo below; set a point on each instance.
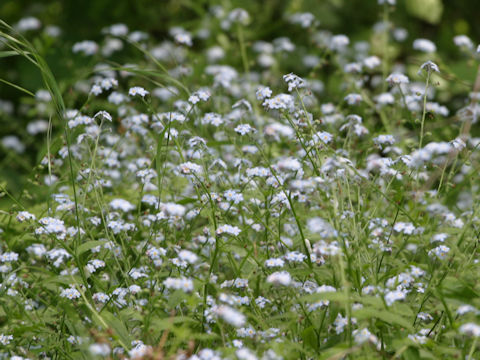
(228, 208)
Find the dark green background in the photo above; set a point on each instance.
(82, 19)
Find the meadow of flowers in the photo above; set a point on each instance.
(200, 201)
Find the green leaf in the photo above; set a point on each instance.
(427, 10)
(8, 53)
(65, 280)
(454, 288)
(386, 316)
(186, 201)
(336, 352)
(218, 143)
(309, 337)
(425, 354)
(55, 145)
(18, 87)
(117, 326)
(89, 245)
(176, 298)
(411, 354)
(332, 296)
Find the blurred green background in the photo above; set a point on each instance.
(436, 20)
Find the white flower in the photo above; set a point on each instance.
(293, 81)
(5, 339)
(416, 271)
(134, 289)
(440, 252)
(289, 164)
(51, 226)
(363, 335)
(384, 99)
(231, 316)
(239, 15)
(70, 293)
(100, 349)
(182, 283)
(233, 196)
(246, 332)
(463, 41)
(37, 126)
(353, 68)
(28, 23)
(37, 250)
(404, 228)
(108, 83)
(430, 66)
(202, 95)
(424, 45)
(279, 102)
(14, 143)
(244, 129)
(80, 120)
(245, 354)
(95, 264)
(340, 323)
(121, 204)
(188, 256)
(212, 119)
(25, 215)
(371, 62)
(118, 226)
(323, 136)
(470, 329)
(392, 296)
(96, 90)
(353, 99)
(384, 139)
(137, 273)
(184, 38)
(104, 114)
(339, 42)
(116, 98)
(303, 19)
(322, 227)
(274, 262)
(87, 47)
(458, 144)
(173, 209)
(295, 256)
(425, 316)
(228, 229)
(280, 278)
(188, 168)
(397, 78)
(325, 288)
(155, 253)
(137, 90)
(100, 297)
(463, 309)
(418, 338)
(263, 92)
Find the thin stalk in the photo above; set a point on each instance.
(424, 109)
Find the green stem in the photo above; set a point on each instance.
(424, 110)
(472, 349)
(385, 46)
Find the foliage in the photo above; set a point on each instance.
(235, 187)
